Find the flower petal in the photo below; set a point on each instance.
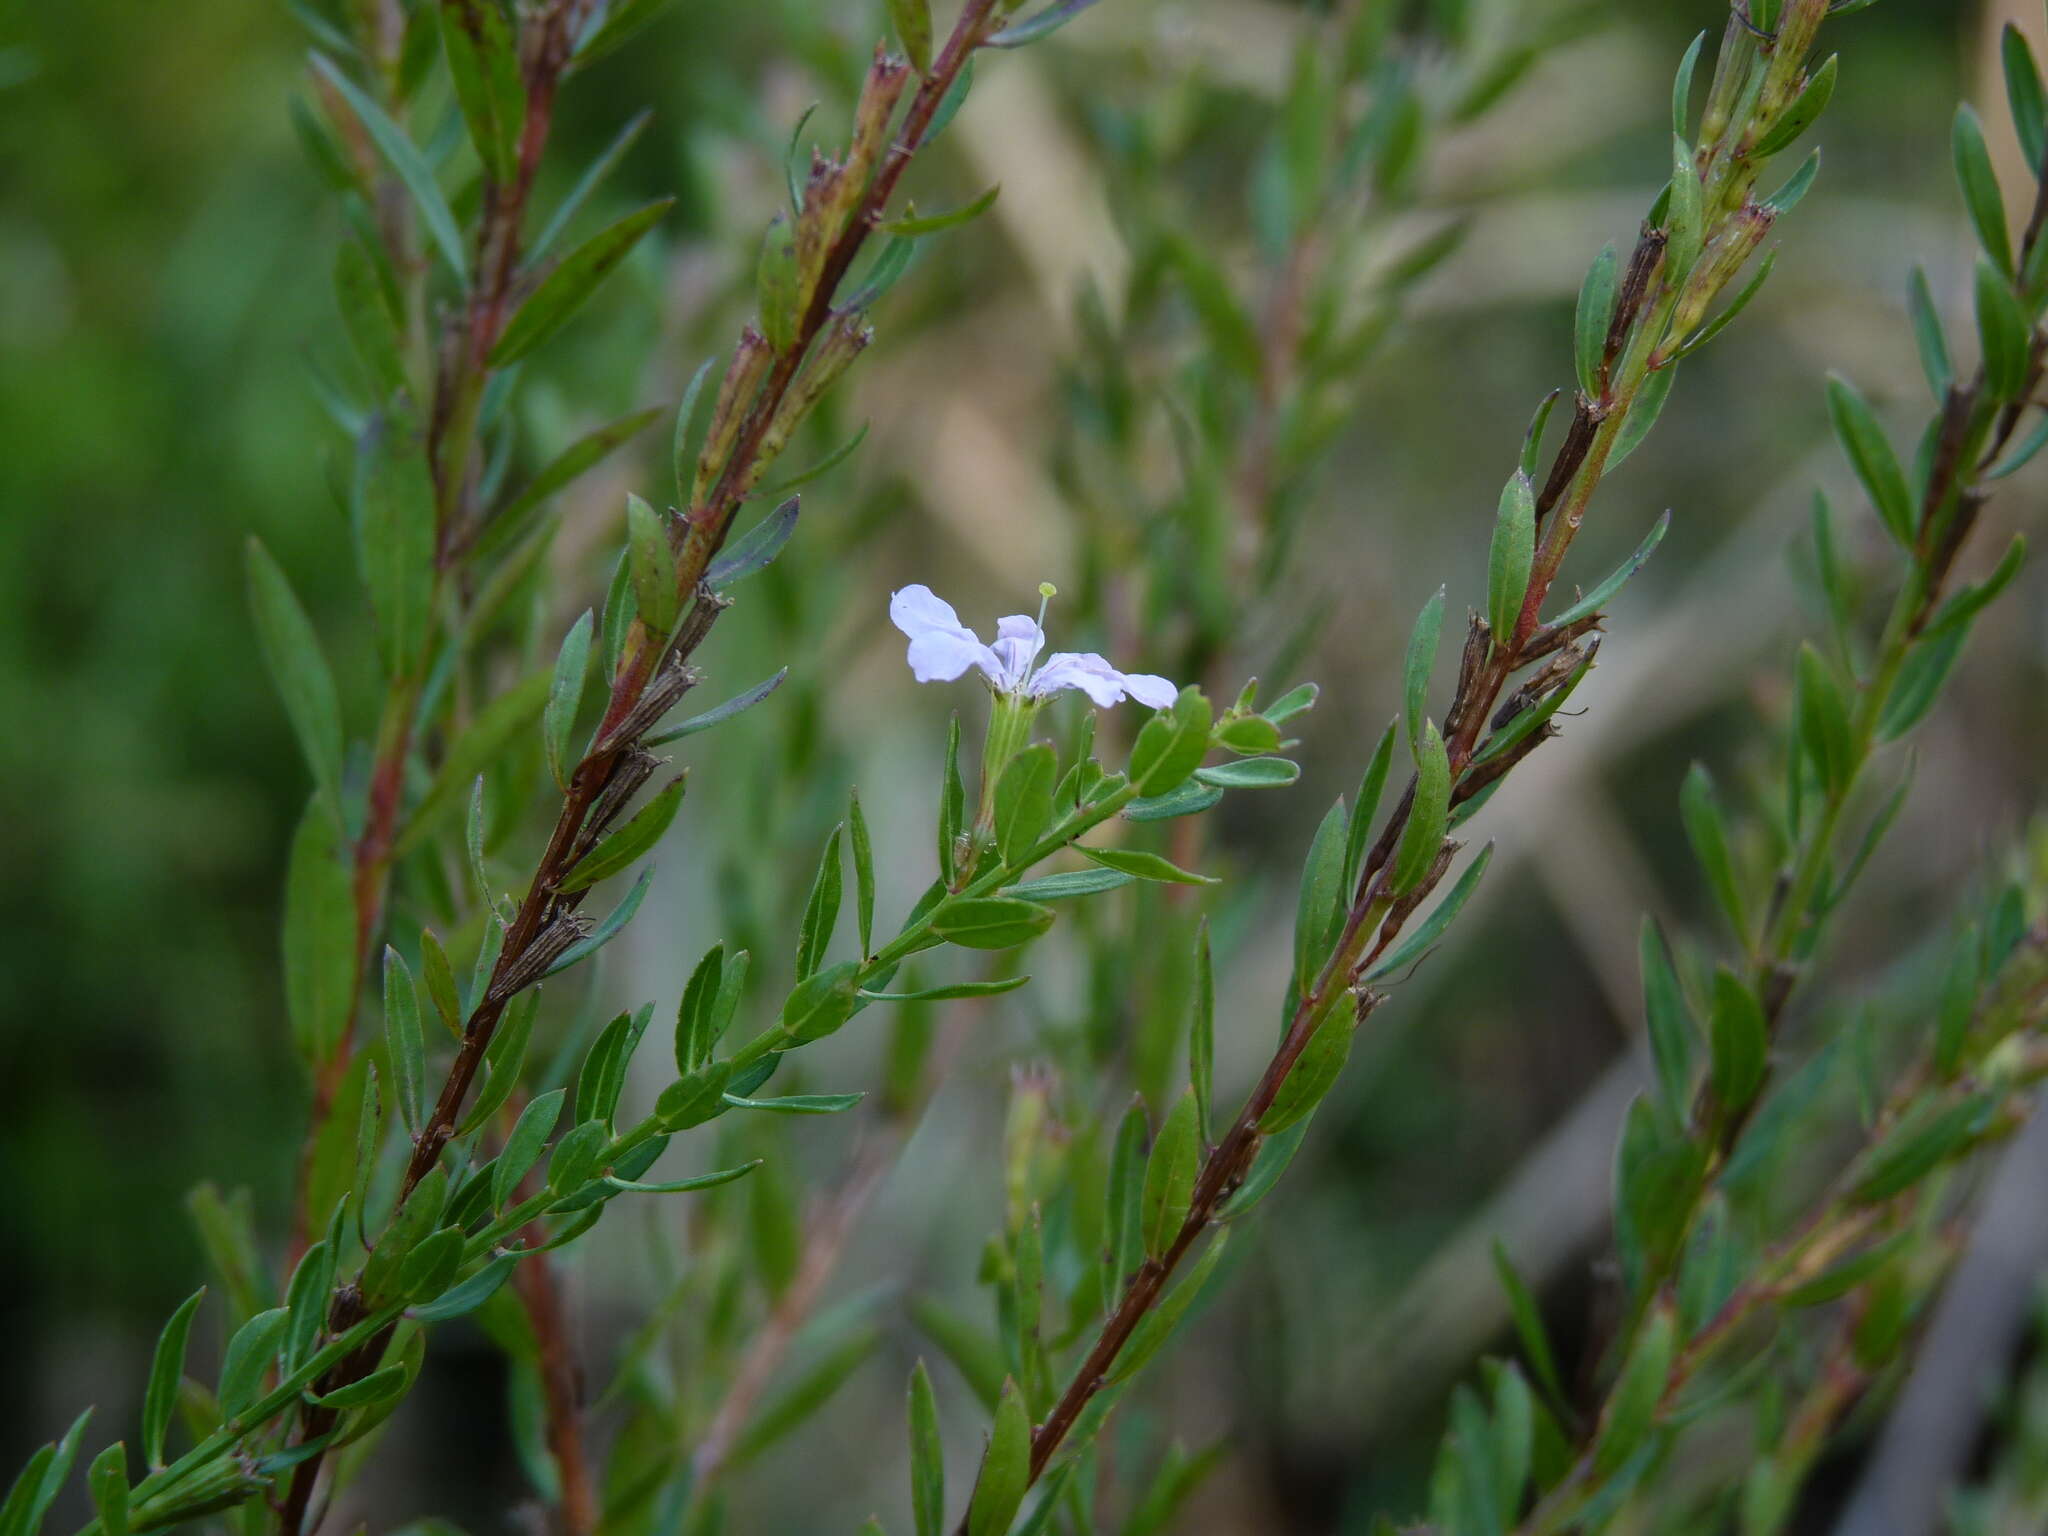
(1083, 670)
(917, 609)
(1150, 689)
(1018, 642)
(939, 656)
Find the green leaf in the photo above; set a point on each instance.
(1740, 1042)
(1428, 815)
(821, 1003)
(692, 1184)
(1080, 882)
(578, 1157)
(1005, 1468)
(319, 939)
(1023, 802)
(107, 1481)
(592, 178)
(1802, 114)
(1920, 681)
(777, 277)
(166, 1371)
(2006, 336)
(373, 1388)
(800, 1103)
(1145, 866)
(863, 873)
(1632, 1405)
(249, 1354)
(1314, 1074)
(406, 162)
(651, 561)
(694, 1098)
(927, 1451)
(1044, 24)
(912, 20)
(572, 281)
(615, 921)
(950, 992)
(1681, 87)
(1668, 1023)
(508, 716)
(1512, 555)
(1528, 1323)
(1170, 1176)
(1190, 799)
(483, 65)
(1202, 1032)
(1291, 703)
(1604, 593)
(821, 908)
(1171, 745)
(738, 704)
(1159, 1325)
(1251, 773)
(368, 315)
(1823, 716)
(1417, 944)
(29, 1500)
(1685, 215)
(1980, 188)
(1419, 661)
(912, 225)
(563, 469)
(623, 848)
(755, 549)
(291, 649)
(623, 20)
(1595, 317)
(524, 1146)
(1370, 788)
(2024, 93)
(1797, 185)
(1643, 414)
(565, 696)
(1927, 333)
(1870, 454)
(404, 1044)
(1925, 1137)
(461, 1300)
(1320, 908)
(1232, 336)
(990, 922)
(394, 526)
(432, 1265)
(1707, 831)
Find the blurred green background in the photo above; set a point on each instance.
(164, 253)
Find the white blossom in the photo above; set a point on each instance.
(942, 649)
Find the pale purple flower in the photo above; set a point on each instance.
(942, 649)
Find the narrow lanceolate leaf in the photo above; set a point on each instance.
(1802, 114)
(1605, 592)
(1202, 1032)
(1417, 944)
(776, 280)
(394, 527)
(1420, 660)
(565, 694)
(524, 1146)
(1160, 1324)
(1740, 1041)
(1319, 911)
(1172, 744)
(624, 847)
(1681, 86)
(1023, 801)
(2003, 330)
(1927, 335)
(319, 938)
(483, 65)
(1823, 716)
(565, 289)
(950, 992)
(753, 550)
(912, 20)
(687, 1186)
(406, 161)
(291, 649)
(614, 923)
(1370, 788)
(863, 873)
(1528, 1323)
(1632, 1405)
(1005, 1468)
(107, 1481)
(1925, 1137)
(1314, 1074)
(820, 1003)
(927, 1457)
(1512, 555)
(652, 561)
(39, 1483)
(373, 1388)
(736, 705)
(2023, 92)
(563, 469)
(1980, 188)
(1595, 316)
(1870, 454)
(403, 1040)
(248, 1357)
(991, 922)
(1170, 1176)
(1668, 1023)
(912, 225)
(166, 1370)
(821, 910)
(1428, 815)
(1707, 831)
(1685, 218)
(1144, 866)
